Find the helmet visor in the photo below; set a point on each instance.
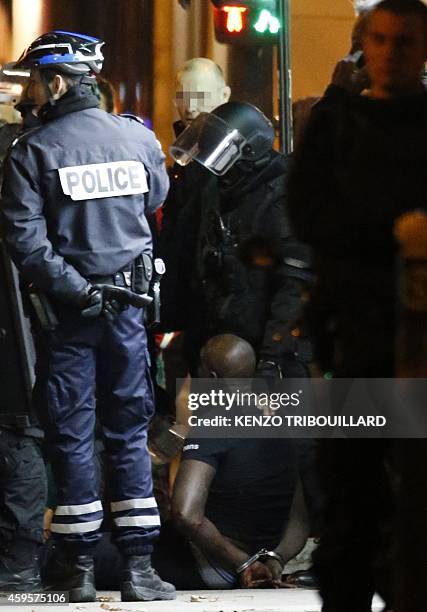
(15, 73)
(12, 84)
(210, 141)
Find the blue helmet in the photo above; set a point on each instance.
(68, 52)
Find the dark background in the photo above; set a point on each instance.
(127, 26)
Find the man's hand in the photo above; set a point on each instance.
(99, 302)
(276, 569)
(349, 77)
(256, 575)
(263, 575)
(109, 300)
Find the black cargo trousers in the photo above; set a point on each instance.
(23, 491)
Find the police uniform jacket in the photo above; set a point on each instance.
(76, 193)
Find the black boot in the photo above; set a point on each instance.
(142, 583)
(19, 568)
(73, 573)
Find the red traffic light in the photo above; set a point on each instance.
(235, 20)
(230, 20)
(246, 22)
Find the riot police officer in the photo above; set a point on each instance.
(250, 272)
(75, 195)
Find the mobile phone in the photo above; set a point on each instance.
(358, 58)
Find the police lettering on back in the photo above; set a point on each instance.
(104, 180)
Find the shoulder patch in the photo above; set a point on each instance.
(134, 117)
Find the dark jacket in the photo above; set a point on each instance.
(8, 133)
(247, 270)
(67, 216)
(361, 164)
(178, 237)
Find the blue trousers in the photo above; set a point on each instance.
(88, 369)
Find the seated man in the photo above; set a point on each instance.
(233, 497)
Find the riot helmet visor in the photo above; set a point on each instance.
(210, 141)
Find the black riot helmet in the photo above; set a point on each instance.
(233, 132)
(66, 52)
(252, 124)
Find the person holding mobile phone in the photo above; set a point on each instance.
(362, 162)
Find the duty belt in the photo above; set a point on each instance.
(135, 276)
(143, 278)
(119, 279)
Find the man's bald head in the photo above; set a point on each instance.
(200, 87)
(201, 65)
(227, 356)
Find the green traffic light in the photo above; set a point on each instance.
(267, 22)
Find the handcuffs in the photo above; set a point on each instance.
(262, 555)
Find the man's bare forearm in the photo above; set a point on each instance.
(188, 508)
(218, 548)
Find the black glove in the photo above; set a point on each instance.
(98, 303)
(109, 300)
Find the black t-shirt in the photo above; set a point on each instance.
(252, 491)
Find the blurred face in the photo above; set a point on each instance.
(395, 50)
(199, 91)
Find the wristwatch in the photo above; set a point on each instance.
(261, 555)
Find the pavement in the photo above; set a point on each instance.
(248, 600)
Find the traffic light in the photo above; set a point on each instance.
(246, 22)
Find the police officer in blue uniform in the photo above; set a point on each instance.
(75, 197)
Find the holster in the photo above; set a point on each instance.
(42, 308)
(145, 279)
(142, 273)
